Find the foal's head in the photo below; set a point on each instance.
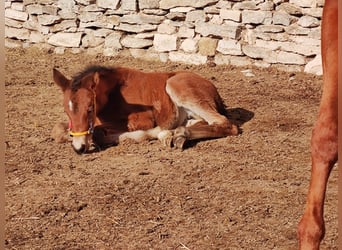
(80, 105)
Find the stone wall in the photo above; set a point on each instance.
(285, 33)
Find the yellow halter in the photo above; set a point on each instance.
(88, 132)
(91, 123)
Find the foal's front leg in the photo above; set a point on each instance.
(143, 120)
(105, 136)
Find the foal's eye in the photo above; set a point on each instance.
(90, 109)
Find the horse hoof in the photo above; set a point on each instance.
(178, 142)
(167, 141)
(165, 137)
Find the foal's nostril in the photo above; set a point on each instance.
(81, 150)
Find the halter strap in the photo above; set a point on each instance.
(79, 133)
(91, 123)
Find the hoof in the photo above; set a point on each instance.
(180, 136)
(165, 137)
(178, 142)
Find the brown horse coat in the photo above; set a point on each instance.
(324, 144)
(124, 103)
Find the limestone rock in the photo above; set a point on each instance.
(186, 32)
(314, 66)
(108, 4)
(163, 42)
(136, 43)
(234, 15)
(48, 19)
(67, 5)
(168, 4)
(189, 46)
(196, 15)
(255, 52)
(255, 17)
(148, 4)
(36, 37)
(141, 19)
(64, 25)
(91, 41)
(283, 57)
(166, 28)
(224, 30)
(18, 6)
(229, 47)
(304, 3)
(207, 46)
(113, 40)
(245, 5)
(308, 22)
(34, 9)
(196, 59)
(290, 9)
(14, 23)
(65, 39)
(21, 34)
(136, 28)
(129, 5)
(281, 18)
(16, 15)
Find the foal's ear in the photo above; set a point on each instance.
(96, 80)
(60, 80)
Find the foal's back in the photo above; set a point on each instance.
(180, 105)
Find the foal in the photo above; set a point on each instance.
(324, 135)
(110, 105)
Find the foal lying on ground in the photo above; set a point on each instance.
(109, 105)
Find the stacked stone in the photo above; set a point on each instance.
(238, 32)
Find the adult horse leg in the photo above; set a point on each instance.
(311, 228)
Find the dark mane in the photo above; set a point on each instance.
(76, 79)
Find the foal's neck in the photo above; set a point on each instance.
(108, 83)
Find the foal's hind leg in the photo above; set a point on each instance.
(221, 127)
(200, 99)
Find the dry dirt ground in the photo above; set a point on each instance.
(242, 192)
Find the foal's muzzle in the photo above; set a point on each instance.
(80, 144)
(80, 139)
(80, 151)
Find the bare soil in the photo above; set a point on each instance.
(240, 192)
